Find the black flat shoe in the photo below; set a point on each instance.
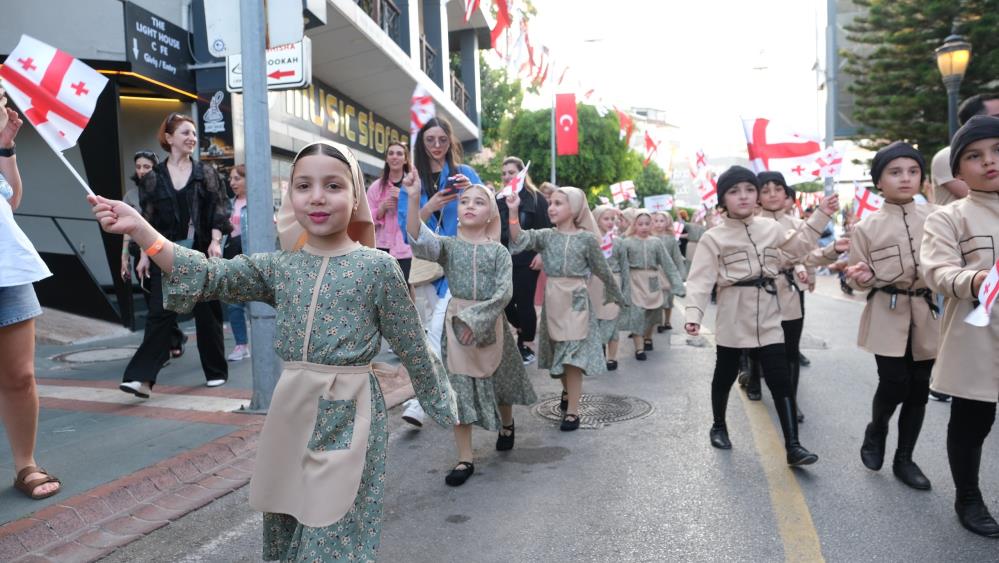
(803, 360)
(719, 438)
(668, 326)
(569, 423)
(754, 395)
(505, 442)
(611, 365)
(179, 350)
(648, 344)
(798, 456)
(661, 329)
(457, 477)
(640, 355)
(564, 403)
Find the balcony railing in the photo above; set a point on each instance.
(459, 95)
(387, 15)
(428, 56)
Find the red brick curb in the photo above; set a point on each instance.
(91, 525)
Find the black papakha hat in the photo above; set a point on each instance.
(977, 128)
(777, 178)
(898, 149)
(733, 176)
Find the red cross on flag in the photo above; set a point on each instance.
(781, 150)
(607, 243)
(708, 189)
(828, 165)
(699, 165)
(622, 191)
(515, 184)
(651, 147)
(56, 92)
(421, 110)
(987, 294)
(867, 201)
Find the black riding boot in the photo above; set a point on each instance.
(872, 452)
(968, 503)
(795, 370)
(753, 385)
(910, 421)
(796, 453)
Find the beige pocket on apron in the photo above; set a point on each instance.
(646, 291)
(471, 360)
(605, 312)
(567, 309)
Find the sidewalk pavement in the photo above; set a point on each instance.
(129, 466)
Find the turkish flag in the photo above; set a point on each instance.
(627, 125)
(566, 125)
(651, 147)
(502, 20)
(56, 92)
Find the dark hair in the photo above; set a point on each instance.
(325, 150)
(148, 155)
(975, 105)
(169, 125)
(405, 165)
(422, 159)
(516, 161)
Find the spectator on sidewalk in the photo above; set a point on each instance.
(20, 266)
(234, 247)
(383, 199)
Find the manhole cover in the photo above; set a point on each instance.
(94, 355)
(596, 411)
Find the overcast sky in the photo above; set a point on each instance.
(705, 62)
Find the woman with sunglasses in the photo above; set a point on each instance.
(185, 200)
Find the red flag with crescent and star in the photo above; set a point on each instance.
(56, 92)
(781, 150)
(651, 147)
(566, 125)
(503, 21)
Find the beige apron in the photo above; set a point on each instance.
(471, 360)
(605, 311)
(311, 451)
(567, 305)
(646, 290)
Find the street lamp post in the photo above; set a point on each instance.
(952, 60)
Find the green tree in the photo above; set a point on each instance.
(898, 89)
(501, 99)
(652, 180)
(603, 157)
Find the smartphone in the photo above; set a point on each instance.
(450, 188)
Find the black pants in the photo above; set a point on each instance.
(520, 311)
(903, 380)
(970, 422)
(774, 361)
(792, 338)
(176, 335)
(156, 342)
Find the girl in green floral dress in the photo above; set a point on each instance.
(569, 342)
(608, 316)
(477, 347)
(643, 259)
(319, 476)
(662, 227)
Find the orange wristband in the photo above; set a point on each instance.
(156, 247)
(514, 221)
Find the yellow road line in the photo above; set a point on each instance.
(794, 520)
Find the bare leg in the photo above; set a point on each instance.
(638, 342)
(506, 417)
(648, 334)
(612, 350)
(573, 381)
(19, 397)
(463, 439)
(668, 314)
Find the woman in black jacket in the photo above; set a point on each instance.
(526, 265)
(185, 200)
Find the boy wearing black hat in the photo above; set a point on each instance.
(899, 324)
(743, 255)
(959, 248)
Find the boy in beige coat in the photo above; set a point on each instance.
(743, 255)
(899, 324)
(959, 248)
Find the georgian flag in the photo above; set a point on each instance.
(828, 164)
(623, 191)
(866, 200)
(421, 110)
(987, 294)
(515, 184)
(56, 92)
(781, 150)
(607, 243)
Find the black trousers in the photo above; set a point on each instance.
(520, 311)
(773, 358)
(792, 338)
(176, 335)
(970, 422)
(903, 380)
(156, 342)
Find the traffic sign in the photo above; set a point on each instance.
(289, 67)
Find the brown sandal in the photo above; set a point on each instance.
(28, 487)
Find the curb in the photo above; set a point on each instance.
(93, 524)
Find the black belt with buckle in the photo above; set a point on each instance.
(761, 282)
(894, 292)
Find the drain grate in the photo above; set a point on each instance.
(596, 411)
(94, 355)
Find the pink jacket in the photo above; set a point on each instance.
(387, 232)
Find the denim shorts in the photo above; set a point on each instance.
(18, 303)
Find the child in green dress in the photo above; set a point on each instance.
(569, 342)
(477, 346)
(320, 467)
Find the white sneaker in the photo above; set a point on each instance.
(215, 382)
(414, 413)
(240, 352)
(140, 389)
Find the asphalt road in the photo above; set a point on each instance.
(652, 489)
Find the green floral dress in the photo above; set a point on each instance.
(481, 272)
(608, 328)
(646, 254)
(570, 255)
(673, 251)
(362, 298)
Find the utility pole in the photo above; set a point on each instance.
(832, 64)
(257, 143)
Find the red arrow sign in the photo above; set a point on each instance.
(279, 74)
